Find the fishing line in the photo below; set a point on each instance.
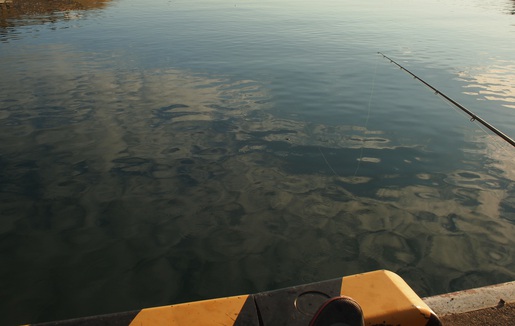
(321, 153)
(366, 127)
(327, 162)
(362, 148)
(320, 150)
(368, 118)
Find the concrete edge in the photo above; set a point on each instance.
(473, 299)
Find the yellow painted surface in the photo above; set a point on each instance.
(386, 298)
(222, 311)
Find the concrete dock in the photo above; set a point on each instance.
(490, 305)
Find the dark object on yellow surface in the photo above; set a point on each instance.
(339, 311)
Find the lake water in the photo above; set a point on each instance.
(155, 152)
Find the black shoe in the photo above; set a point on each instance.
(339, 311)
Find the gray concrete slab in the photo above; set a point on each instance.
(473, 299)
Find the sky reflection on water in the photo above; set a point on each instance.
(495, 83)
(130, 182)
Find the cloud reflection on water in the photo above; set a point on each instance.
(495, 82)
(149, 187)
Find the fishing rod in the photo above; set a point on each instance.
(473, 116)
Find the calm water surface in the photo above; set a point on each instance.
(154, 152)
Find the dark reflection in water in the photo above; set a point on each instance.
(15, 13)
